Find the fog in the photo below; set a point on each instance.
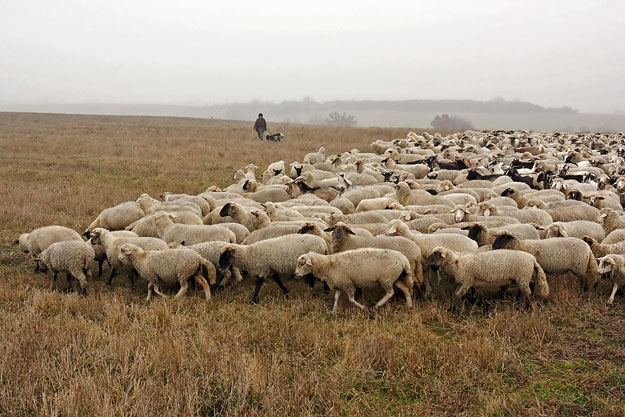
(555, 53)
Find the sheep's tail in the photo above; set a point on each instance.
(209, 271)
(541, 288)
(408, 275)
(592, 271)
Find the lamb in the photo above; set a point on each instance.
(72, 257)
(191, 234)
(602, 249)
(146, 226)
(100, 250)
(273, 258)
(112, 244)
(277, 168)
(168, 266)
(344, 238)
(273, 194)
(346, 271)
(613, 266)
(556, 255)
(483, 235)
(251, 219)
(577, 228)
(116, 218)
(41, 238)
(491, 269)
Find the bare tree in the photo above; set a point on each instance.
(454, 122)
(340, 119)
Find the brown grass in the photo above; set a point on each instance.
(112, 354)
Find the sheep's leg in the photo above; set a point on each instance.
(326, 288)
(337, 295)
(53, 280)
(614, 288)
(36, 266)
(184, 284)
(237, 274)
(207, 289)
(350, 295)
(157, 290)
(133, 275)
(227, 274)
(406, 292)
(150, 286)
(259, 283)
(387, 296)
(310, 279)
(82, 280)
(278, 281)
(100, 268)
(462, 290)
(68, 277)
(111, 275)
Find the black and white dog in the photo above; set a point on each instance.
(277, 137)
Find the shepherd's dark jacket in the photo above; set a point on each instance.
(260, 124)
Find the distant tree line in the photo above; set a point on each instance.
(451, 122)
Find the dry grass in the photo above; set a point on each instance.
(110, 353)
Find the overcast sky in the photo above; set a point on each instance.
(550, 52)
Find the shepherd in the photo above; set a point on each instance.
(260, 126)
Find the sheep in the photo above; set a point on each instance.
(277, 212)
(191, 234)
(111, 245)
(577, 228)
(202, 203)
(359, 268)
(491, 269)
(265, 195)
(251, 219)
(613, 266)
(72, 257)
(270, 232)
(611, 220)
(567, 213)
(39, 239)
(240, 232)
(406, 197)
(116, 218)
(614, 236)
(150, 205)
(556, 255)
(603, 249)
(168, 266)
(344, 238)
(427, 243)
(355, 218)
(483, 235)
(100, 251)
(380, 203)
(146, 226)
(344, 204)
(211, 252)
(273, 258)
(277, 168)
(315, 157)
(524, 215)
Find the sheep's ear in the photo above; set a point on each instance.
(16, 242)
(256, 213)
(263, 205)
(172, 216)
(87, 234)
(308, 261)
(330, 229)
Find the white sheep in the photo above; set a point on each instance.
(315, 157)
(577, 228)
(168, 266)
(613, 266)
(275, 258)
(252, 219)
(116, 218)
(191, 234)
(359, 268)
(491, 269)
(41, 238)
(72, 257)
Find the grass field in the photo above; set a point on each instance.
(111, 354)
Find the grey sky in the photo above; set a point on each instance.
(553, 53)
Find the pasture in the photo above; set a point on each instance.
(111, 353)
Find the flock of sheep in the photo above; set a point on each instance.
(433, 216)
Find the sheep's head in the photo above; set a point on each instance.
(308, 228)
(96, 236)
(226, 259)
(396, 228)
(589, 240)
(126, 252)
(510, 192)
(556, 230)
(486, 209)
(239, 175)
(459, 213)
(22, 241)
(475, 230)
(574, 194)
(505, 240)
(340, 231)
(394, 206)
(437, 258)
(162, 219)
(227, 210)
(607, 265)
(304, 266)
